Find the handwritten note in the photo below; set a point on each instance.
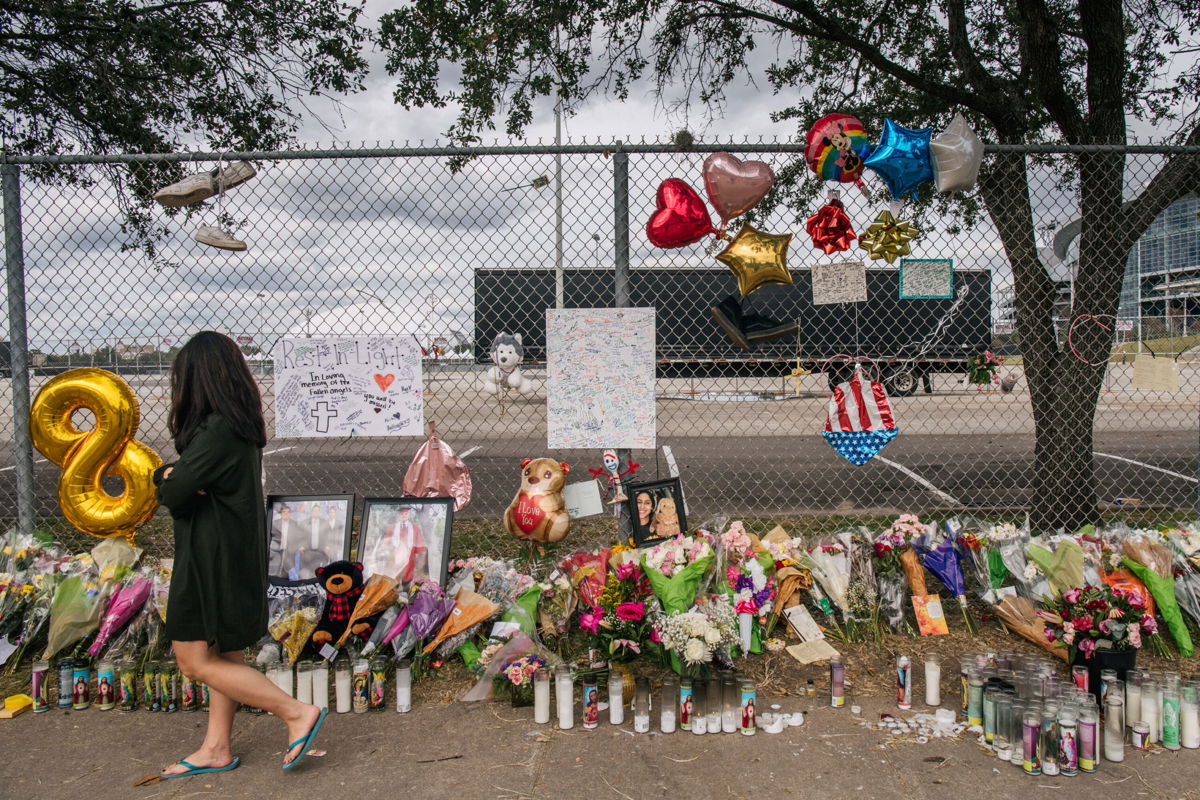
(924, 278)
(600, 369)
(353, 386)
(843, 282)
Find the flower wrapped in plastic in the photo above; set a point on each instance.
(1084, 618)
(427, 609)
(675, 568)
(588, 571)
(980, 543)
(1150, 560)
(1021, 616)
(700, 636)
(519, 651)
(1062, 566)
(894, 550)
(378, 593)
(556, 605)
(470, 609)
(830, 567)
(749, 572)
(1028, 580)
(79, 601)
(123, 605)
(945, 561)
(294, 620)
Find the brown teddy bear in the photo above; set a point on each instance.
(537, 513)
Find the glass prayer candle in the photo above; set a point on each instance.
(320, 684)
(1133, 697)
(1151, 708)
(149, 686)
(837, 682)
(541, 695)
(564, 698)
(749, 708)
(699, 706)
(66, 682)
(685, 704)
(716, 715)
(341, 686)
(81, 685)
(590, 711)
(990, 694)
(1030, 739)
(1089, 738)
(127, 686)
(304, 687)
(1114, 728)
(40, 687)
(616, 697)
(1079, 674)
(731, 714)
(1068, 743)
(974, 697)
(1001, 742)
(360, 687)
(378, 683)
(933, 680)
(1048, 740)
(668, 706)
(1189, 716)
(641, 706)
(1106, 676)
(965, 665)
(1170, 718)
(904, 682)
(1139, 737)
(1015, 729)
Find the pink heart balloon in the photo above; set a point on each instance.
(735, 186)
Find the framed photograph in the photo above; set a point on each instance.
(657, 510)
(407, 538)
(305, 532)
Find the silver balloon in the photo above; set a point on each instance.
(956, 154)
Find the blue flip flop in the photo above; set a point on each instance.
(306, 741)
(192, 769)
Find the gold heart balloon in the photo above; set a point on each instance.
(757, 258)
(887, 238)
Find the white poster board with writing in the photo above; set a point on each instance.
(841, 282)
(348, 386)
(600, 378)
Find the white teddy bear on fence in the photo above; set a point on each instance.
(507, 354)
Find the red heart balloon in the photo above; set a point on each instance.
(681, 217)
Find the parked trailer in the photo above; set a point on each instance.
(909, 339)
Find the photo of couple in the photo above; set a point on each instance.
(657, 510)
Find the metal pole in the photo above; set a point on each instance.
(559, 276)
(18, 345)
(620, 227)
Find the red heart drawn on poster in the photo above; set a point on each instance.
(681, 217)
(384, 381)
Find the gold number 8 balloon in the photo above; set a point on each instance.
(86, 457)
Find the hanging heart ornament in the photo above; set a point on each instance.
(680, 217)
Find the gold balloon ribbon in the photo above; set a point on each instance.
(887, 238)
(86, 457)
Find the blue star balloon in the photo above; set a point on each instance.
(859, 447)
(902, 159)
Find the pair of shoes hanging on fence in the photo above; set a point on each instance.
(201, 186)
(748, 329)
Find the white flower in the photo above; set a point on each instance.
(1031, 571)
(695, 652)
(712, 636)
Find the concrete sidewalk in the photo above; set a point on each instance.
(492, 752)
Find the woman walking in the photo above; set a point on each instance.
(217, 604)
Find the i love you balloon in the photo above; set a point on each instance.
(680, 217)
(735, 186)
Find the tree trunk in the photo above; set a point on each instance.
(1064, 387)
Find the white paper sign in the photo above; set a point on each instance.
(803, 624)
(843, 282)
(582, 499)
(348, 386)
(922, 278)
(600, 378)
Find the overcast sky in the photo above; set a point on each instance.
(392, 244)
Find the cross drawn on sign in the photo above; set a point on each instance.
(323, 414)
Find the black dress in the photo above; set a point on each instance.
(219, 579)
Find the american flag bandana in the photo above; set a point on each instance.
(860, 421)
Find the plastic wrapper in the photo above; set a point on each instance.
(378, 593)
(518, 646)
(115, 558)
(1021, 617)
(469, 609)
(557, 603)
(427, 609)
(588, 572)
(1151, 562)
(1124, 581)
(162, 588)
(945, 562)
(523, 611)
(74, 612)
(294, 621)
(891, 599)
(1062, 566)
(124, 603)
(830, 566)
(382, 627)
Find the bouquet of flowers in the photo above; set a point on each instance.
(509, 667)
(982, 369)
(516, 677)
(1062, 566)
(556, 605)
(1151, 562)
(588, 571)
(702, 635)
(830, 566)
(1084, 618)
(945, 561)
(981, 546)
(749, 582)
(621, 621)
(124, 604)
(894, 549)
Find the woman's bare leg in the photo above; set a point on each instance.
(232, 682)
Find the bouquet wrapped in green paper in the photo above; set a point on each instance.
(1151, 562)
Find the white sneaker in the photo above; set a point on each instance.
(204, 185)
(215, 237)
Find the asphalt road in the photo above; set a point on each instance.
(958, 448)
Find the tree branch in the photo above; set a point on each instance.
(1044, 61)
(1179, 178)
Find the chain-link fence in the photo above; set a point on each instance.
(400, 242)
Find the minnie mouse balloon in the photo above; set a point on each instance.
(902, 158)
(957, 153)
(836, 147)
(735, 186)
(680, 217)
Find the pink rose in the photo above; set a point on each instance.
(1137, 600)
(1072, 596)
(1049, 634)
(631, 611)
(1086, 646)
(1135, 635)
(655, 635)
(1149, 624)
(1069, 638)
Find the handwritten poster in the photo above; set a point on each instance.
(351, 386)
(925, 278)
(843, 282)
(600, 369)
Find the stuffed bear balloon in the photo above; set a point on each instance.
(537, 513)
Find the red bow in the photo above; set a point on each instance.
(830, 228)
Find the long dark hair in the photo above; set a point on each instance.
(210, 376)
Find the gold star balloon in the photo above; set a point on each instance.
(757, 258)
(887, 238)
